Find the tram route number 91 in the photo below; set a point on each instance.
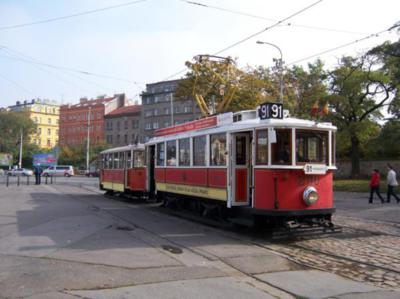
(270, 110)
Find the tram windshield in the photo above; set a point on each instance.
(282, 149)
(311, 146)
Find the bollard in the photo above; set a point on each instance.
(51, 179)
(7, 180)
(18, 178)
(27, 180)
(46, 179)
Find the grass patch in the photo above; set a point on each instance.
(355, 186)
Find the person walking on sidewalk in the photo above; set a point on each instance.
(374, 186)
(392, 183)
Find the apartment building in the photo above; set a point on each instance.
(45, 114)
(122, 126)
(88, 115)
(160, 109)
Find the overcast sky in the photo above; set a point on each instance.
(149, 41)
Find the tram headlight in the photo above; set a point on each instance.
(310, 196)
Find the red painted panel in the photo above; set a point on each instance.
(217, 177)
(137, 179)
(290, 185)
(187, 176)
(241, 185)
(159, 175)
(113, 175)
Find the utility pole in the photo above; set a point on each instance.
(20, 150)
(172, 109)
(88, 142)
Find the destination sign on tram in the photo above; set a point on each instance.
(270, 110)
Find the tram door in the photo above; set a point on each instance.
(240, 169)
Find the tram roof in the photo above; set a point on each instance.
(124, 148)
(249, 124)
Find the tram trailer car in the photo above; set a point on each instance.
(124, 170)
(275, 170)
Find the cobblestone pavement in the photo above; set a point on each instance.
(366, 251)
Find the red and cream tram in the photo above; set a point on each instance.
(276, 169)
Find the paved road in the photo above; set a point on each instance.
(63, 241)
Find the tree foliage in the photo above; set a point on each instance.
(76, 155)
(11, 126)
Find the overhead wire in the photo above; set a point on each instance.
(255, 34)
(269, 19)
(369, 36)
(70, 16)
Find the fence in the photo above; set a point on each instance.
(19, 180)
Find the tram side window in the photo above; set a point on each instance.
(218, 149)
(115, 160)
(199, 151)
(109, 161)
(171, 153)
(262, 147)
(281, 151)
(122, 160)
(160, 154)
(311, 146)
(184, 152)
(129, 159)
(138, 158)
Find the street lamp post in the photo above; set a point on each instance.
(88, 142)
(280, 67)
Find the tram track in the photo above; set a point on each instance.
(304, 255)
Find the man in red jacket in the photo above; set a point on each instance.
(374, 185)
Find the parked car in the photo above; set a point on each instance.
(61, 170)
(20, 171)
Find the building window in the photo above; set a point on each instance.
(262, 147)
(199, 151)
(135, 124)
(118, 126)
(147, 126)
(184, 152)
(166, 124)
(171, 153)
(187, 109)
(126, 139)
(126, 124)
(48, 131)
(49, 121)
(160, 154)
(167, 111)
(218, 149)
(134, 141)
(118, 138)
(39, 130)
(155, 125)
(155, 112)
(148, 113)
(35, 119)
(48, 142)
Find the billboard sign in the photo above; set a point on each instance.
(44, 160)
(6, 159)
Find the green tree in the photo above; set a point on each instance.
(358, 91)
(11, 126)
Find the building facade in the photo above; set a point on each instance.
(160, 109)
(122, 126)
(87, 116)
(45, 114)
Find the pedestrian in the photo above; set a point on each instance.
(374, 186)
(38, 173)
(392, 183)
